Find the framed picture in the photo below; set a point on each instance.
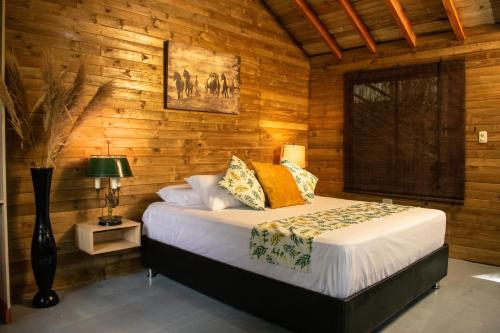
(198, 79)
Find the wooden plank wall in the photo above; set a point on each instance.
(122, 39)
(473, 230)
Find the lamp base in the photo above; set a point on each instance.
(110, 220)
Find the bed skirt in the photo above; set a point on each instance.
(293, 307)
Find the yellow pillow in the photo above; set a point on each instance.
(279, 186)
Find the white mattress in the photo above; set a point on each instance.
(343, 261)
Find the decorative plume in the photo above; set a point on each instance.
(13, 95)
(61, 108)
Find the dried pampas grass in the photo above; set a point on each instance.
(62, 108)
(13, 95)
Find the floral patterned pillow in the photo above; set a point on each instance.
(241, 182)
(305, 180)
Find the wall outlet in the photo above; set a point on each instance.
(387, 201)
(482, 137)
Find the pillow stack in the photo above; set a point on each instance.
(282, 185)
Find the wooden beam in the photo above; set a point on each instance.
(456, 24)
(402, 20)
(316, 23)
(359, 25)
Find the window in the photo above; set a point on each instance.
(404, 131)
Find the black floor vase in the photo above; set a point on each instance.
(43, 245)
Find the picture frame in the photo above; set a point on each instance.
(198, 79)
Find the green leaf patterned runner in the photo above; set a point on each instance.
(288, 242)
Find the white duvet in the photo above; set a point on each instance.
(343, 261)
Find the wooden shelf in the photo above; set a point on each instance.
(111, 246)
(95, 239)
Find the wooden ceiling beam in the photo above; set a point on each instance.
(402, 20)
(316, 23)
(359, 25)
(456, 24)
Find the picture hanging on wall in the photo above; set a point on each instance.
(198, 79)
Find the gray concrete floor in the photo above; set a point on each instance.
(468, 301)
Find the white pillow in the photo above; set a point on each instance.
(212, 195)
(181, 195)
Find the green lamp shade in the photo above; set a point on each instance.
(108, 166)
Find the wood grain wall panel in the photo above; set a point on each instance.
(123, 40)
(473, 230)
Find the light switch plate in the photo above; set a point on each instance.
(482, 137)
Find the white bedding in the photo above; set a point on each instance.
(343, 261)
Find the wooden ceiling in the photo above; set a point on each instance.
(365, 23)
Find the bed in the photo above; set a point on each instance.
(360, 276)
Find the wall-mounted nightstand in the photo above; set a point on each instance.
(94, 239)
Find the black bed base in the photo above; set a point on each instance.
(294, 307)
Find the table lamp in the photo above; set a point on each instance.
(113, 168)
(295, 154)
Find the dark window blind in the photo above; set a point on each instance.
(404, 131)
